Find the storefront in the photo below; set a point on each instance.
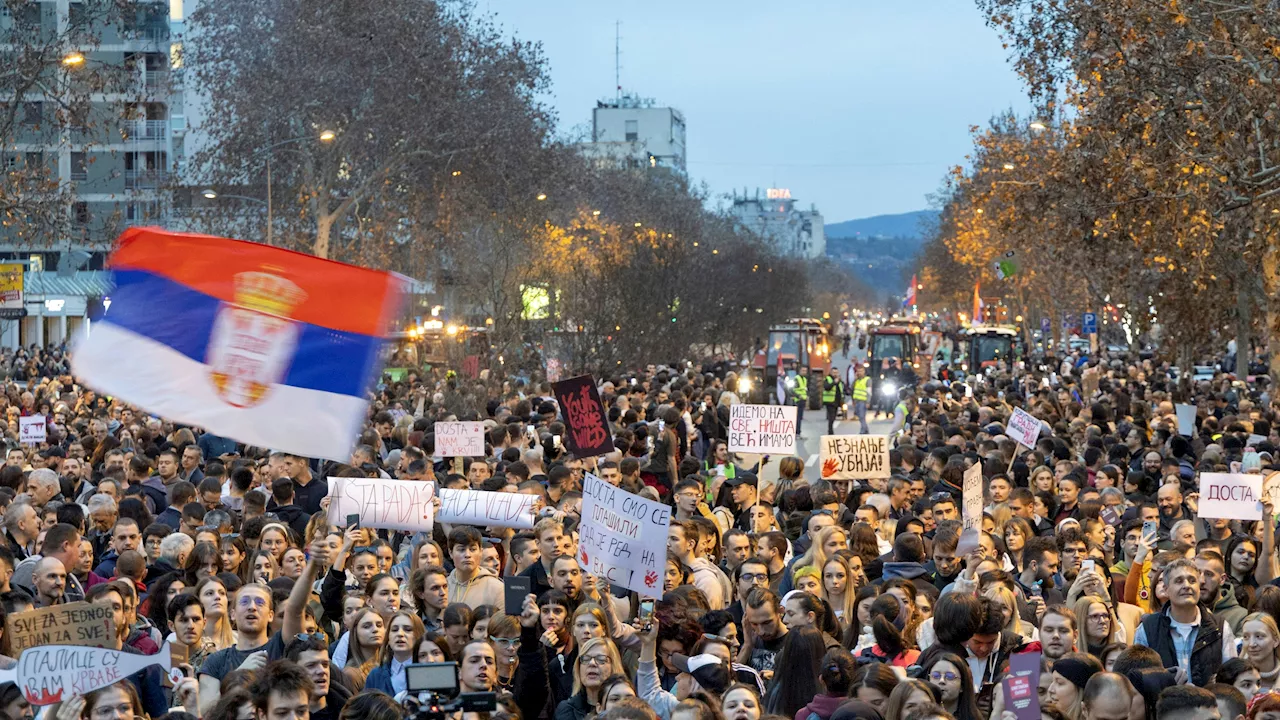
(57, 307)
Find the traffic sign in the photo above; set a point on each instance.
(1089, 323)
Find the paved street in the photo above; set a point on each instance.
(815, 426)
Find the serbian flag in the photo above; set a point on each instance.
(911, 292)
(267, 346)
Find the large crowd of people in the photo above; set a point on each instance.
(791, 597)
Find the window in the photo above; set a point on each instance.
(10, 162)
(633, 130)
(79, 166)
(80, 213)
(34, 159)
(32, 113)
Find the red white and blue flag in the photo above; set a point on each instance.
(267, 346)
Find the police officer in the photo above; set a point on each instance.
(860, 393)
(800, 396)
(832, 397)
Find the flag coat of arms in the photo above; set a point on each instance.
(267, 346)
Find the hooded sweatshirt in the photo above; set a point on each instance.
(712, 581)
(483, 589)
(822, 705)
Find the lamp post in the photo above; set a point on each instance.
(210, 194)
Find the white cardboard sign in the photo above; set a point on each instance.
(1186, 419)
(762, 429)
(487, 509)
(854, 457)
(381, 503)
(1023, 428)
(623, 537)
(1236, 496)
(31, 429)
(459, 439)
(972, 512)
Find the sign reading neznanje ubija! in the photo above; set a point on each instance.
(623, 537)
(854, 457)
(762, 429)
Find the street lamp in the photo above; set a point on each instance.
(1038, 126)
(542, 196)
(73, 58)
(327, 135)
(1009, 166)
(209, 194)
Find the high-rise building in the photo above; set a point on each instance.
(632, 132)
(115, 153)
(775, 217)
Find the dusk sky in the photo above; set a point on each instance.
(858, 106)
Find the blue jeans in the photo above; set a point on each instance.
(860, 412)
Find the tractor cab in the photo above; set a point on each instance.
(987, 346)
(799, 342)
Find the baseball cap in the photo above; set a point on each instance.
(743, 478)
(708, 670)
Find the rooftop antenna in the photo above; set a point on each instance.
(617, 58)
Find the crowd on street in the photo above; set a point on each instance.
(784, 595)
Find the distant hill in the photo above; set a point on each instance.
(880, 250)
(900, 225)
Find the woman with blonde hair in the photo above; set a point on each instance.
(840, 590)
(1098, 625)
(825, 544)
(1042, 480)
(598, 658)
(1009, 606)
(1260, 645)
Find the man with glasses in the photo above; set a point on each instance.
(687, 495)
(750, 574)
(253, 612)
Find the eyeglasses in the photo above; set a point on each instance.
(595, 660)
(245, 602)
(505, 642)
(312, 636)
(822, 511)
(941, 496)
(754, 577)
(948, 676)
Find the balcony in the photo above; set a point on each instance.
(154, 82)
(147, 179)
(150, 36)
(146, 131)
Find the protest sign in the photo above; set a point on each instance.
(459, 439)
(971, 511)
(1024, 428)
(1021, 686)
(78, 623)
(588, 429)
(1186, 419)
(1231, 495)
(381, 503)
(487, 509)
(764, 429)
(623, 537)
(53, 673)
(1271, 490)
(31, 429)
(854, 457)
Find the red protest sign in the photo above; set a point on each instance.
(588, 428)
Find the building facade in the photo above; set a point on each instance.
(632, 132)
(774, 216)
(115, 149)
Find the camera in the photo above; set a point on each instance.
(432, 690)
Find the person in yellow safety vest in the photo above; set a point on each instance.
(800, 396)
(832, 397)
(860, 393)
